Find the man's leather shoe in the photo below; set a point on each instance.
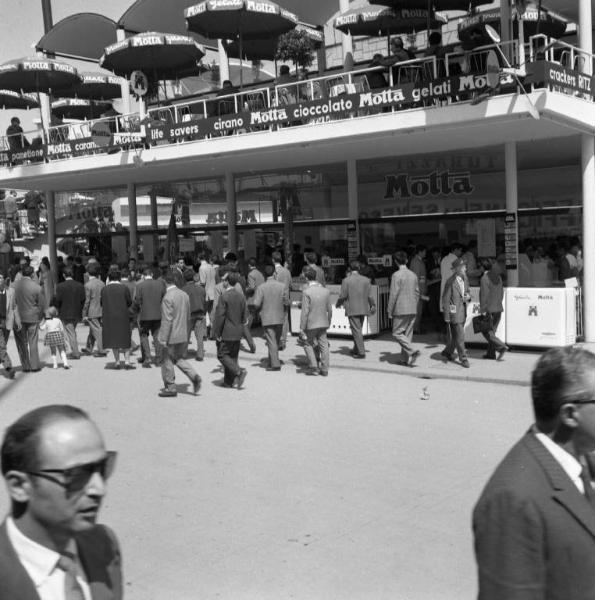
(413, 358)
(465, 363)
(168, 394)
(9, 372)
(324, 373)
(99, 354)
(501, 353)
(447, 355)
(241, 378)
(359, 355)
(196, 385)
(489, 356)
(86, 351)
(146, 364)
(273, 368)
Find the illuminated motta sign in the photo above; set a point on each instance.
(437, 183)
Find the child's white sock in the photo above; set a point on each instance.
(64, 360)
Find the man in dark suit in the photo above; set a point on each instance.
(455, 297)
(198, 309)
(402, 308)
(283, 275)
(271, 299)
(55, 466)
(147, 306)
(534, 523)
(228, 327)
(356, 294)
(9, 318)
(173, 337)
(29, 299)
(315, 319)
(70, 300)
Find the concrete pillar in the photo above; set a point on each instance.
(352, 202)
(512, 201)
(125, 87)
(230, 193)
(132, 220)
(223, 63)
(588, 180)
(347, 42)
(50, 202)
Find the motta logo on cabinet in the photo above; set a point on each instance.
(437, 183)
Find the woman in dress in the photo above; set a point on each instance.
(45, 281)
(116, 301)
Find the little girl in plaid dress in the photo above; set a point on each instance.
(54, 337)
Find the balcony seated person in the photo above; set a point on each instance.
(398, 54)
(14, 133)
(435, 48)
(227, 105)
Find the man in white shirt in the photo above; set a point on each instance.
(55, 466)
(534, 523)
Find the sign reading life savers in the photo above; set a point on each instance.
(318, 111)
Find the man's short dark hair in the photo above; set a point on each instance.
(559, 378)
(269, 270)
(231, 257)
(124, 272)
(276, 256)
(78, 260)
(93, 269)
(147, 270)
(456, 246)
(252, 262)
(68, 272)
(420, 248)
(27, 270)
(114, 274)
(354, 265)
(435, 38)
(189, 275)
(19, 448)
(233, 278)
(401, 257)
(309, 273)
(284, 70)
(311, 257)
(169, 276)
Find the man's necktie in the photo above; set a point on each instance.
(589, 492)
(72, 588)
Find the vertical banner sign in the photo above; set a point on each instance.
(352, 241)
(511, 241)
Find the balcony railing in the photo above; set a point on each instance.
(418, 83)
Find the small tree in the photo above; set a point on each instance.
(297, 46)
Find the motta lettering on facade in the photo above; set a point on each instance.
(443, 183)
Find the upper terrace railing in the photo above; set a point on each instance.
(458, 76)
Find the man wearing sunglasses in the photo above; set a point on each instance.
(55, 466)
(534, 523)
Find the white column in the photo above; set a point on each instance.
(121, 35)
(588, 180)
(223, 63)
(230, 193)
(512, 201)
(347, 40)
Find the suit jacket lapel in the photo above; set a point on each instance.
(14, 579)
(564, 491)
(101, 567)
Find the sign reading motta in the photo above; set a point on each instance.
(320, 110)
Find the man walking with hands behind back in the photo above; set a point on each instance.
(92, 311)
(317, 312)
(55, 466)
(173, 337)
(534, 523)
(356, 294)
(454, 309)
(402, 308)
(30, 301)
(70, 300)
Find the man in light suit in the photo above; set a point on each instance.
(317, 312)
(284, 276)
(534, 523)
(147, 307)
(55, 466)
(454, 309)
(228, 326)
(92, 310)
(173, 337)
(356, 294)
(402, 308)
(70, 301)
(29, 300)
(311, 263)
(272, 299)
(9, 318)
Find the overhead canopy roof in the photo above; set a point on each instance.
(82, 35)
(569, 8)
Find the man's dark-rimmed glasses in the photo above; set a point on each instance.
(74, 479)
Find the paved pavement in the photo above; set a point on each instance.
(355, 486)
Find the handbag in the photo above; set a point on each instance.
(482, 323)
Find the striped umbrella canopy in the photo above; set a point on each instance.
(244, 19)
(534, 20)
(380, 20)
(94, 86)
(164, 55)
(13, 100)
(464, 5)
(266, 48)
(77, 108)
(37, 74)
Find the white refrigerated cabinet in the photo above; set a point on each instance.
(541, 317)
